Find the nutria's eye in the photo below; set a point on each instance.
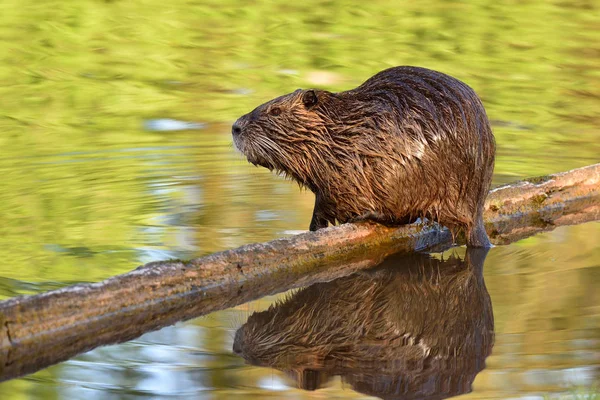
(275, 111)
(309, 98)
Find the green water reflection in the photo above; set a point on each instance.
(86, 193)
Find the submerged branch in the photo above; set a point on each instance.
(37, 331)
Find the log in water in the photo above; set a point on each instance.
(40, 330)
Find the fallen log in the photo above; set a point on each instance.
(522, 209)
(40, 330)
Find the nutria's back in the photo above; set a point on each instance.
(409, 142)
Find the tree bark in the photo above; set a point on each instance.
(40, 330)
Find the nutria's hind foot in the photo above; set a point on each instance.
(477, 237)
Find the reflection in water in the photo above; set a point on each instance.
(167, 124)
(415, 327)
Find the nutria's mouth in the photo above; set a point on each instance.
(253, 154)
(262, 163)
(257, 160)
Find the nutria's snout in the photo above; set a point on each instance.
(245, 139)
(236, 132)
(236, 129)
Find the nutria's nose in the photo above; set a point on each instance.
(236, 129)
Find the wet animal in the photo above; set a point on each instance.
(408, 143)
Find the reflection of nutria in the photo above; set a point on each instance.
(416, 327)
(409, 142)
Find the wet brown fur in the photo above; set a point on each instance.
(409, 142)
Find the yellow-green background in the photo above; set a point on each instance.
(86, 193)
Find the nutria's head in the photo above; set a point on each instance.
(287, 134)
(276, 337)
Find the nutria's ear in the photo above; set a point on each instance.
(309, 98)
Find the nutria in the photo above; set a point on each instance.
(415, 327)
(408, 143)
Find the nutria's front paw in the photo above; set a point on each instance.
(317, 223)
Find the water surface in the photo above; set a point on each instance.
(87, 191)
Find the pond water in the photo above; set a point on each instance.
(92, 187)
